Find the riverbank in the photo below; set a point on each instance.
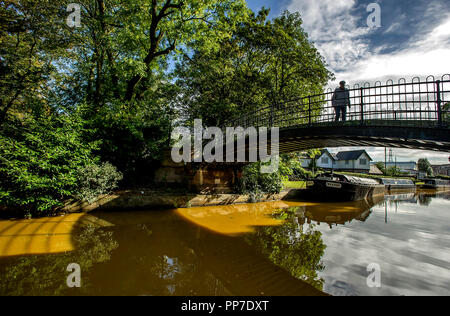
(142, 199)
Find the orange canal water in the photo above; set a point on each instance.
(277, 248)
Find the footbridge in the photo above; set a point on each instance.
(412, 115)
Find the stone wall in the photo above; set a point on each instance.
(132, 200)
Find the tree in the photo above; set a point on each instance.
(120, 71)
(31, 41)
(313, 154)
(425, 166)
(73, 98)
(263, 64)
(393, 171)
(124, 45)
(446, 112)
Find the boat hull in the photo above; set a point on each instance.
(434, 187)
(324, 190)
(400, 188)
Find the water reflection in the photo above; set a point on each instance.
(279, 248)
(46, 274)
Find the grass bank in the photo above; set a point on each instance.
(294, 184)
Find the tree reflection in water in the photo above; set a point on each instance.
(295, 247)
(46, 274)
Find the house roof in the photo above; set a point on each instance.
(325, 151)
(351, 155)
(375, 170)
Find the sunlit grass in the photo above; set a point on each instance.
(294, 184)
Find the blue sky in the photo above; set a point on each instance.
(413, 40)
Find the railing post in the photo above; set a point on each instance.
(309, 110)
(271, 115)
(439, 102)
(362, 106)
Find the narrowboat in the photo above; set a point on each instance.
(336, 187)
(398, 184)
(436, 184)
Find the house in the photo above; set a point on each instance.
(441, 170)
(325, 160)
(353, 161)
(350, 161)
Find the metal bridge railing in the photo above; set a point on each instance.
(415, 102)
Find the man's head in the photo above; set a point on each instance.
(342, 84)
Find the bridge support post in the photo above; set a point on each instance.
(439, 101)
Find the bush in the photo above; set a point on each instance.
(95, 180)
(255, 183)
(39, 159)
(301, 174)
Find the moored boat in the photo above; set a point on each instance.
(398, 184)
(436, 184)
(337, 187)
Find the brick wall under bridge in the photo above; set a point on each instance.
(199, 178)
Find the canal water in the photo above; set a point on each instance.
(278, 248)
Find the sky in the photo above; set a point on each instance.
(413, 40)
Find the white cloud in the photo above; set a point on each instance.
(424, 56)
(333, 28)
(394, 27)
(345, 46)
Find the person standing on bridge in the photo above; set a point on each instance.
(340, 101)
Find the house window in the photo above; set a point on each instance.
(363, 162)
(347, 162)
(325, 160)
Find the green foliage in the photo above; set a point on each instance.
(390, 171)
(313, 154)
(301, 173)
(31, 39)
(39, 160)
(425, 166)
(291, 167)
(255, 183)
(393, 172)
(134, 140)
(446, 113)
(294, 184)
(381, 166)
(72, 97)
(264, 63)
(95, 180)
(123, 45)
